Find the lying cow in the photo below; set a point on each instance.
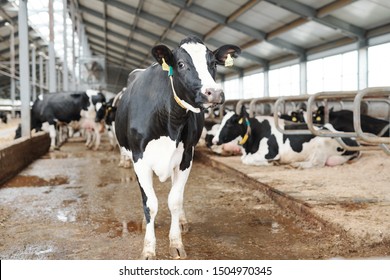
(227, 149)
(298, 116)
(61, 107)
(263, 143)
(343, 121)
(159, 121)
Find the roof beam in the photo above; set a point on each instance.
(285, 28)
(331, 7)
(225, 21)
(115, 34)
(119, 60)
(124, 24)
(177, 28)
(152, 36)
(312, 14)
(134, 54)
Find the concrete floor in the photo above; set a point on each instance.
(77, 204)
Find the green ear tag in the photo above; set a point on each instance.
(229, 61)
(170, 71)
(164, 65)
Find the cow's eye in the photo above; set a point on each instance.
(339, 149)
(181, 64)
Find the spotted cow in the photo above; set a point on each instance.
(263, 144)
(159, 121)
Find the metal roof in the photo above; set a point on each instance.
(268, 31)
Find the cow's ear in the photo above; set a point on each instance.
(161, 52)
(225, 53)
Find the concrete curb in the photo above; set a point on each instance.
(20, 153)
(286, 202)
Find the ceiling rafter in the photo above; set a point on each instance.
(222, 20)
(160, 22)
(311, 13)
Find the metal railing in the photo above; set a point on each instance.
(351, 99)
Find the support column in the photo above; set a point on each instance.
(362, 65)
(41, 85)
(65, 77)
(52, 56)
(266, 81)
(34, 72)
(12, 66)
(24, 69)
(241, 85)
(303, 76)
(72, 13)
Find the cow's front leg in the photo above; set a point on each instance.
(179, 222)
(53, 135)
(150, 204)
(97, 136)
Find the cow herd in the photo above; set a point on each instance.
(158, 119)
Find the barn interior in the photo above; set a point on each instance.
(331, 53)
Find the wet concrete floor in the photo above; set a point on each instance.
(77, 204)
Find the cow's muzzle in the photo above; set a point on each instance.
(214, 96)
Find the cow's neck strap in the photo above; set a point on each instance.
(248, 130)
(179, 101)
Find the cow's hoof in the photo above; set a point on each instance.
(177, 252)
(185, 227)
(148, 256)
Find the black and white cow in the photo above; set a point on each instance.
(262, 143)
(298, 116)
(159, 121)
(343, 121)
(106, 114)
(57, 107)
(91, 127)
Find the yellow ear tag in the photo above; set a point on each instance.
(229, 61)
(294, 119)
(241, 121)
(243, 140)
(318, 119)
(164, 65)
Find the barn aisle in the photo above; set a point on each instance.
(77, 204)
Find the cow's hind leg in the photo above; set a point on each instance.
(178, 220)
(150, 204)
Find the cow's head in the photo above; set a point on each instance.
(193, 68)
(101, 113)
(298, 116)
(82, 99)
(98, 98)
(319, 115)
(106, 112)
(232, 126)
